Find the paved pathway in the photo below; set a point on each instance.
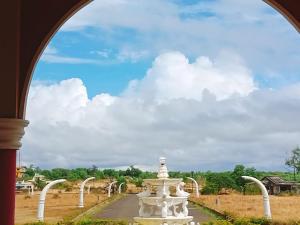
(126, 208)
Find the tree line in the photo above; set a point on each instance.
(211, 182)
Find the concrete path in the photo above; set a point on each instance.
(199, 214)
(126, 208)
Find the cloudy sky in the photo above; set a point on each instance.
(208, 84)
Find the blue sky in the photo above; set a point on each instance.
(105, 70)
(170, 78)
(103, 74)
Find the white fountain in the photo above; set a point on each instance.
(162, 206)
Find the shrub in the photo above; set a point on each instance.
(229, 216)
(55, 196)
(261, 221)
(251, 189)
(68, 189)
(40, 184)
(101, 222)
(138, 182)
(243, 221)
(217, 222)
(285, 223)
(27, 197)
(87, 222)
(36, 223)
(209, 188)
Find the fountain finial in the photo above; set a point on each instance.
(163, 171)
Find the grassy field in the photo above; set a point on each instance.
(58, 206)
(283, 208)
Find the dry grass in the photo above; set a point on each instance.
(283, 208)
(58, 206)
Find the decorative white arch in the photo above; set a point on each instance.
(109, 187)
(81, 204)
(120, 188)
(41, 207)
(267, 208)
(196, 185)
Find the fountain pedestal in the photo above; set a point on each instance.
(161, 207)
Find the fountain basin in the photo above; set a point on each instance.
(162, 181)
(169, 199)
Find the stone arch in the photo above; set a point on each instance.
(51, 20)
(29, 25)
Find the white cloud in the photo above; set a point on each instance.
(262, 36)
(106, 56)
(50, 50)
(131, 55)
(51, 55)
(142, 15)
(51, 58)
(173, 76)
(195, 132)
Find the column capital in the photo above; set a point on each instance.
(11, 132)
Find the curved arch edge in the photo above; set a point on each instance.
(285, 12)
(28, 71)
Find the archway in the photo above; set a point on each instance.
(21, 47)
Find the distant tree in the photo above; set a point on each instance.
(238, 172)
(92, 171)
(251, 171)
(294, 161)
(138, 182)
(99, 174)
(210, 188)
(29, 173)
(192, 174)
(133, 172)
(111, 173)
(216, 181)
(82, 173)
(175, 174)
(40, 184)
(47, 174)
(59, 173)
(121, 180)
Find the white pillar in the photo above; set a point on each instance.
(109, 187)
(89, 189)
(120, 188)
(41, 207)
(81, 205)
(196, 186)
(267, 208)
